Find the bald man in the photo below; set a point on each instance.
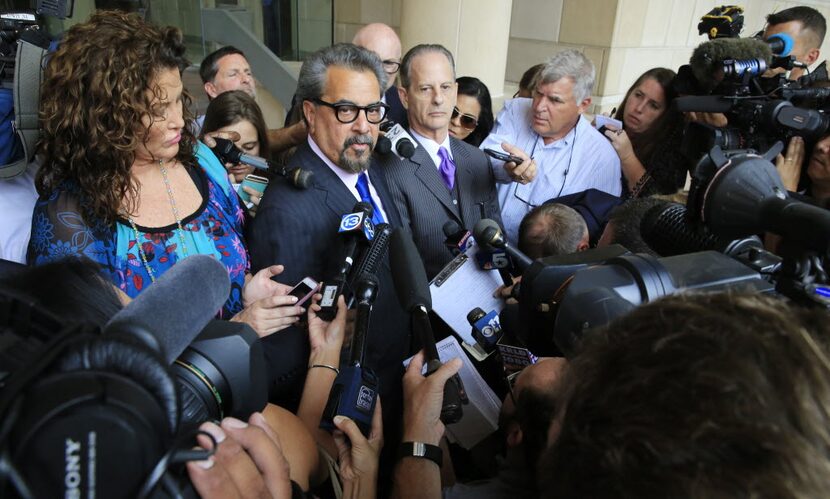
(382, 40)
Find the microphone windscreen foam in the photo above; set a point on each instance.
(664, 229)
(408, 272)
(175, 308)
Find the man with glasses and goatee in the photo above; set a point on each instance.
(340, 89)
(446, 179)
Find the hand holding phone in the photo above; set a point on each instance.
(304, 290)
(254, 182)
(503, 156)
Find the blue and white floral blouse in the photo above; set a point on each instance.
(59, 231)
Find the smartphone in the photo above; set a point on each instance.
(253, 181)
(304, 290)
(503, 156)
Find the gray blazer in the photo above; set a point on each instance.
(425, 204)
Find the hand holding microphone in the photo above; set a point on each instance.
(227, 152)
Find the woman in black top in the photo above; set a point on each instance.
(649, 143)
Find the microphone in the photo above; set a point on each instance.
(355, 390)
(781, 44)
(666, 230)
(383, 145)
(400, 142)
(489, 236)
(457, 238)
(412, 289)
(486, 328)
(227, 152)
(741, 55)
(173, 311)
(356, 227)
(370, 259)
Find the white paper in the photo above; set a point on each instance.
(481, 414)
(467, 288)
(602, 120)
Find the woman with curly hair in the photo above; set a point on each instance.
(124, 182)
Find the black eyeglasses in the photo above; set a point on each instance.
(467, 121)
(347, 113)
(391, 67)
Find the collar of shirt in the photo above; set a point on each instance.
(431, 147)
(349, 179)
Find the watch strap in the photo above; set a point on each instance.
(420, 449)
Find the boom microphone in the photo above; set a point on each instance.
(666, 230)
(707, 61)
(173, 311)
(227, 152)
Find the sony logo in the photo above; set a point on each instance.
(72, 475)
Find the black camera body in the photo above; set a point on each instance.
(86, 413)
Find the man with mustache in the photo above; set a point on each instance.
(340, 88)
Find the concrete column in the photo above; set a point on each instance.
(475, 31)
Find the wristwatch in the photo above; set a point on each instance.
(420, 449)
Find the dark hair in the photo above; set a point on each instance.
(624, 221)
(810, 19)
(311, 83)
(93, 98)
(563, 230)
(699, 395)
(468, 85)
(232, 107)
(406, 62)
(646, 143)
(210, 64)
(72, 289)
(528, 81)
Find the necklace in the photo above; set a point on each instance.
(141, 253)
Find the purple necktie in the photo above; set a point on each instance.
(447, 168)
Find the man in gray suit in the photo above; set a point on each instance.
(446, 179)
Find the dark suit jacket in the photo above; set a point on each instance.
(425, 204)
(397, 113)
(298, 229)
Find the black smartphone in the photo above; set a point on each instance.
(503, 156)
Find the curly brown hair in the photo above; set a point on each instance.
(93, 98)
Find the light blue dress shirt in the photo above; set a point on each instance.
(581, 160)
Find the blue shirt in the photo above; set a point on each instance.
(581, 160)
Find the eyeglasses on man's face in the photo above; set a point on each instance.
(391, 67)
(467, 121)
(348, 113)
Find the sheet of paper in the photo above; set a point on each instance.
(481, 414)
(464, 288)
(602, 121)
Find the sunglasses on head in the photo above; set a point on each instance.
(467, 121)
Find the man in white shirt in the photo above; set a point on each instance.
(561, 152)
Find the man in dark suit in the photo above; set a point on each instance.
(339, 88)
(446, 179)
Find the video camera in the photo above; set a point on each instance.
(735, 194)
(727, 75)
(112, 411)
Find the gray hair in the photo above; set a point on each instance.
(406, 63)
(551, 229)
(570, 64)
(312, 81)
